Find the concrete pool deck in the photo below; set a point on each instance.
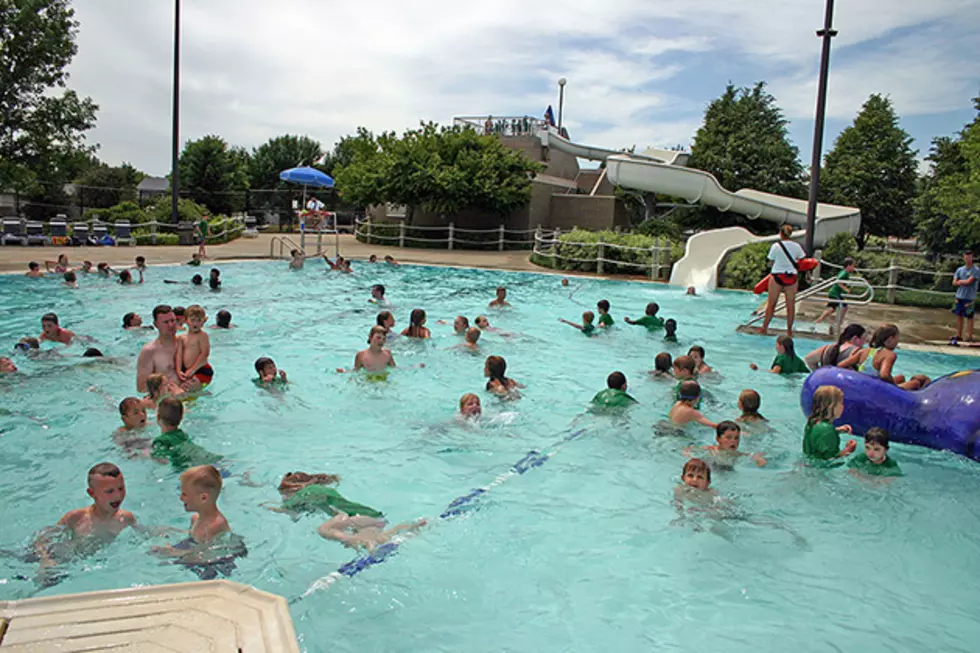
(922, 328)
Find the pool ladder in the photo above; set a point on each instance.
(818, 292)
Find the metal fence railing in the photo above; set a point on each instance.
(655, 261)
(453, 237)
(896, 278)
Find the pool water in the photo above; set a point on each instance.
(584, 552)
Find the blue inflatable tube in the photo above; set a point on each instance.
(944, 415)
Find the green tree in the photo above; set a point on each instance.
(873, 167)
(41, 132)
(271, 158)
(213, 175)
(948, 208)
(103, 186)
(744, 144)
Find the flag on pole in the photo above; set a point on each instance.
(549, 116)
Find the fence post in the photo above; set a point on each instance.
(451, 227)
(370, 228)
(500, 244)
(401, 234)
(555, 248)
(818, 271)
(153, 232)
(655, 260)
(602, 255)
(537, 239)
(892, 280)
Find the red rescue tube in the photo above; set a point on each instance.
(762, 286)
(807, 264)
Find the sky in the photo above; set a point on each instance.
(638, 72)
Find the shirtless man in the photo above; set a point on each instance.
(158, 357)
(50, 330)
(375, 358)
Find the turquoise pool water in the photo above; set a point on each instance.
(583, 553)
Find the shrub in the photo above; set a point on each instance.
(746, 266)
(162, 239)
(839, 248)
(188, 211)
(578, 250)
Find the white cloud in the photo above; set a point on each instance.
(253, 69)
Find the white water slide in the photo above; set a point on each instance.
(662, 172)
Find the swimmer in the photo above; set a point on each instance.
(29, 345)
(875, 460)
(159, 387)
(879, 359)
(564, 281)
(373, 258)
(700, 367)
(268, 373)
(98, 523)
(197, 280)
(749, 402)
(386, 320)
(133, 321)
(195, 260)
(361, 532)
(193, 349)
(332, 265)
(304, 493)
(86, 267)
(472, 338)
(670, 330)
(375, 358)
(501, 300)
(650, 320)
(615, 395)
(695, 484)
(460, 325)
(821, 439)
(662, 366)
(200, 487)
(786, 360)
(173, 445)
(214, 281)
(390, 260)
(223, 320)
(469, 406)
(158, 356)
(691, 290)
(685, 369)
(92, 352)
(587, 327)
(416, 327)
(495, 368)
(7, 366)
(378, 295)
(846, 352)
(685, 411)
(605, 319)
(298, 259)
(104, 269)
(52, 332)
(133, 414)
(140, 263)
(60, 266)
(71, 281)
(181, 318)
(34, 270)
(728, 434)
(126, 277)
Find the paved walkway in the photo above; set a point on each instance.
(922, 327)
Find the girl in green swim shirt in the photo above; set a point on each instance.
(821, 439)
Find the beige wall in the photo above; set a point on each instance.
(598, 212)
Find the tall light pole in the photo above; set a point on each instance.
(561, 99)
(174, 171)
(827, 33)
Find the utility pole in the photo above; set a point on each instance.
(174, 172)
(827, 33)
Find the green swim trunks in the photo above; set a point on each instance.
(321, 498)
(613, 398)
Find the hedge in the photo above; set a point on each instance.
(569, 248)
(161, 239)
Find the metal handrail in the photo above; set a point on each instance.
(283, 242)
(819, 292)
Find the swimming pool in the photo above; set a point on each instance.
(580, 554)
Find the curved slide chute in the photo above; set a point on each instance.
(662, 171)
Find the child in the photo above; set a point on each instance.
(180, 314)
(52, 332)
(100, 522)
(697, 354)
(297, 260)
(158, 387)
(586, 327)
(416, 327)
(194, 348)
(614, 396)
(268, 373)
(471, 339)
(501, 300)
(846, 352)
(685, 410)
(195, 260)
(126, 277)
(875, 461)
(373, 258)
(308, 493)
(104, 269)
(173, 445)
(650, 320)
(200, 487)
(223, 320)
(728, 434)
(7, 366)
(661, 366)
(605, 319)
(140, 263)
(879, 359)
(197, 280)
(499, 384)
(469, 406)
(821, 440)
(696, 482)
(133, 414)
(378, 295)
(670, 330)
(786, 360)
(684, 368)
(386, 320)
(966, 280)
(214, 281)
(836, 291)
(34, 270)
(71, 281)
(60, 266)
(373, 359)
(461, 325)
(86, 267)
(390, 260)
(749, 402)
(362, 532)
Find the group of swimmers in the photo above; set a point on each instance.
(175, 367)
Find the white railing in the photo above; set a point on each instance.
(893, 285)
(819, 292)
(502, 125)
(283, 243)
(549, 244)
(366, 230)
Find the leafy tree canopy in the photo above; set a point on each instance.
(872, 166)
(103, 186)
(214, 175)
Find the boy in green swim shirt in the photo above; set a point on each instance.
(670, 328)
(650, 320)
(587, 327)
(837, 291)
(605, 319)
(173, 445)
(875, 461)
(614, 396)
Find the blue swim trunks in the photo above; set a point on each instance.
(965, 308)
